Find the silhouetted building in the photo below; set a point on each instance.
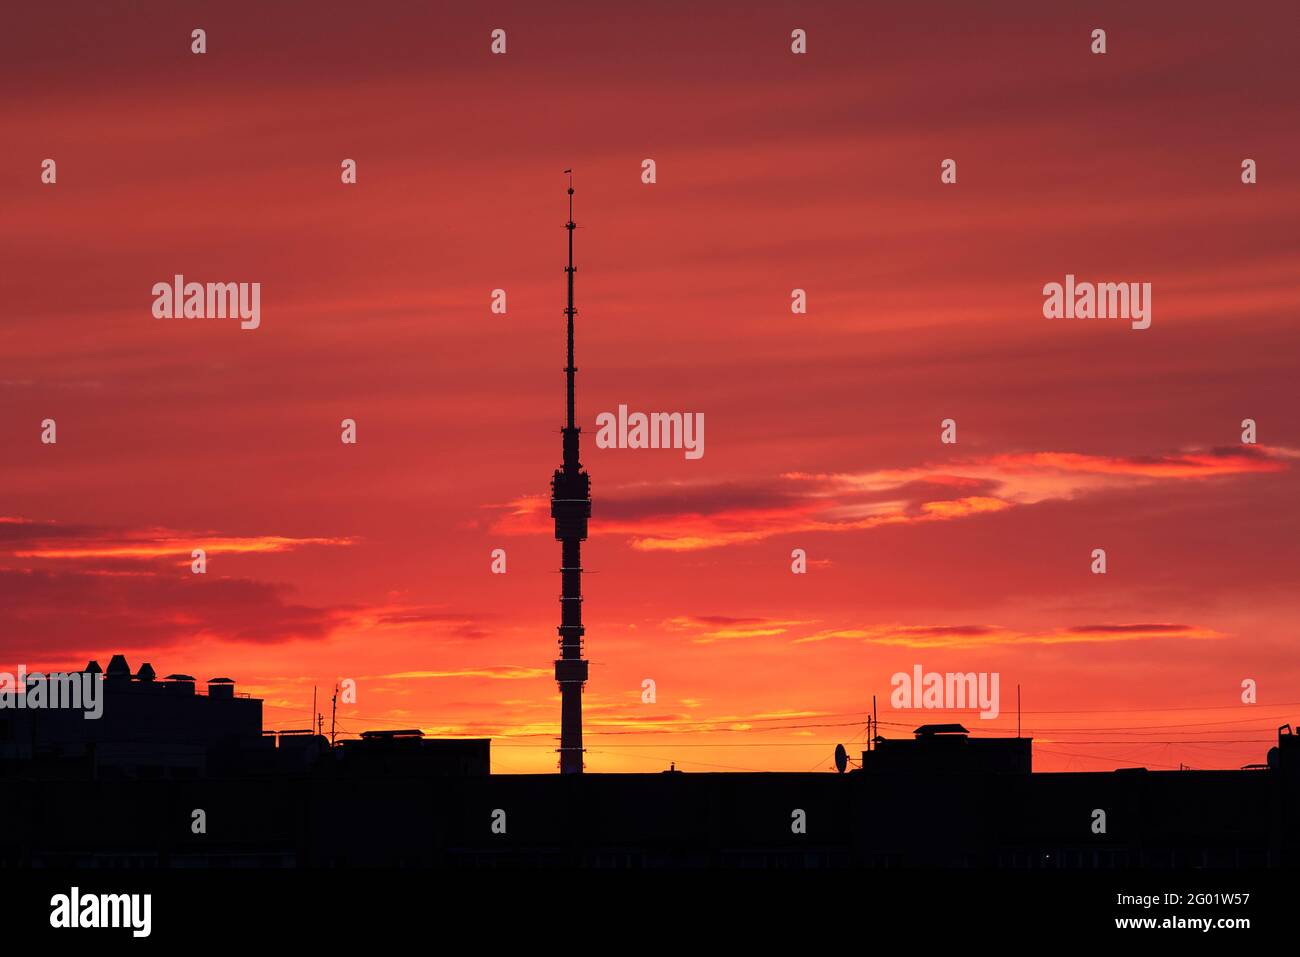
(119, 792)
(397, 800)
(295, 750)
(949, 748)
(397, 753)
(144, 728)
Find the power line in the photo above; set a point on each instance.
(845, 714)
(831, 744)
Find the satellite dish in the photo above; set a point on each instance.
(841, 758)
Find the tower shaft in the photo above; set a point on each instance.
(570, 507)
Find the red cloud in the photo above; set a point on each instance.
(699, 516)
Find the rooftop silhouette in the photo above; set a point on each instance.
(119, 792)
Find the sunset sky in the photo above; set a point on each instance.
(775, 171)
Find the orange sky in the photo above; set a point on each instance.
(775, 171)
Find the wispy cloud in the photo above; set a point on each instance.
(500, 673)
(66, 587)
(694, 516)
(705, 629)
(982, 636)
(24, 538)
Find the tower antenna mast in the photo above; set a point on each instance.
(571, 507)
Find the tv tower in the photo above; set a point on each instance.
(571, 507)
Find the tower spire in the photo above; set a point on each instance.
(571, 507)
(570, 369)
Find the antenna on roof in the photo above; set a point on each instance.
(334, 710)
(841, 758)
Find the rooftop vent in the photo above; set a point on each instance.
(179, 684)
(929, 730)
